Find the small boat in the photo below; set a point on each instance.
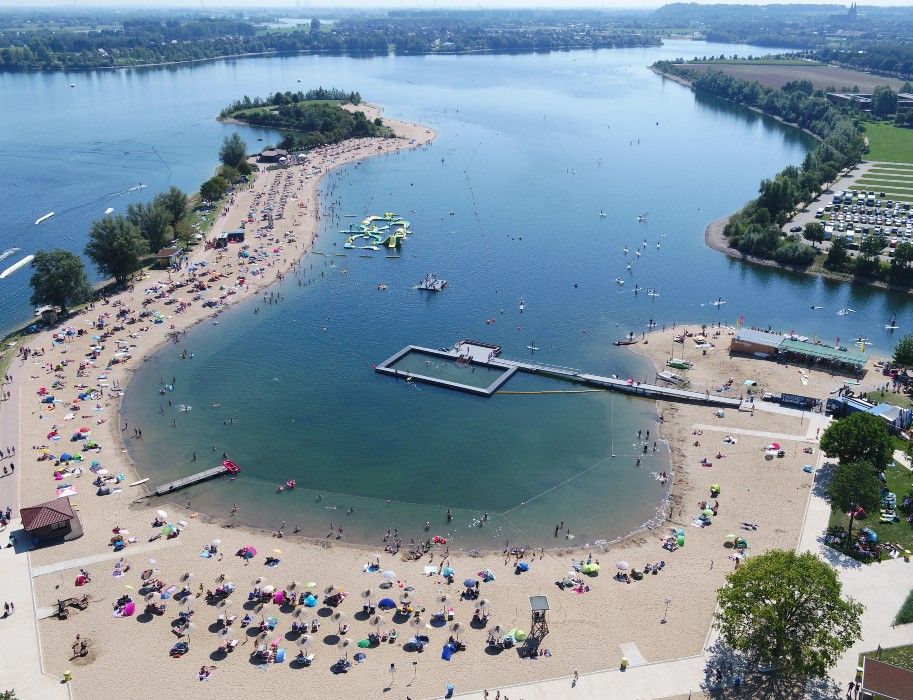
(626, 341)
(231, 466)
(718, 302)
(845, 312)
(290, 484)
(670, 377)
(677, 363)
(17, 266)
(141, 481)
(652, 293)
(532, 346)
(139, 186)
(602, 214)
(431, 283)
(9, 251)
(643, 217)
(891, 328)
(44, 218)
(522, 306)
(620, 282)
(109, 210)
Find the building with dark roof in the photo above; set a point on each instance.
(881, 680)
(52, 521)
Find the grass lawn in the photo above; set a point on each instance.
(905, 616)
(889, 143)
(899, 656)
(900, 481)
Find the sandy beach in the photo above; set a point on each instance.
(592, 625)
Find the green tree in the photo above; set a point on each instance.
(175, 202)
(116, 247)
(214, 189)
(315, 25)
(872, 245)
(837, 255)
(233, 150)
(814, 232)
(854, 485)
(860, 437)
(788, 611)
(903, 352)
(884, 101)
(154, 223)
(59, 279)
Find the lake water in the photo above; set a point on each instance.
(531, 148)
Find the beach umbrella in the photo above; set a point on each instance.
(377, 622)
(590, 568)
(340, 617)
(484, 604)
(293, 585)
(277, 551)
(386, 604)
(416, 622)
(258, 607)
(623, 566)
(310, 601)
(443, 598)
(497, 630)
(262, 636)
(405, 598)
(269, 590)
(389, 575)
(730, 536)
(309, 585)
(304, 640)
(448, 572)
(215, 544)
(366, 593)
(708, 512)
(298, 612)
(257, 580)
(470, 582)
(226, 631)
(224, 603)
(456, 628)
(330, 591)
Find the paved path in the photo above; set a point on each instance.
(9, 437)
(752, 433)
(20, 660)
(901, 458)
(661, 680)
(130, 551)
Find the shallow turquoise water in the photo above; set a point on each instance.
(530, 149)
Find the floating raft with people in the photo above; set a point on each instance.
(387, 231)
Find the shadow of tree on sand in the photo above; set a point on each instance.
(729, 674)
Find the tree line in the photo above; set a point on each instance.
(118, 245)
(307, 123)
(155, 40)
(756, 229)
(288, 98)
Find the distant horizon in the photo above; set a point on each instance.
(323, 5)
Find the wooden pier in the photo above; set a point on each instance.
(186, 481)
(482, 355)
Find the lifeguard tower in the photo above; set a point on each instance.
(538, 605)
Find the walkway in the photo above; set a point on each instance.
(133, 550)
(660, 680)
(752, 433)
(20, 662)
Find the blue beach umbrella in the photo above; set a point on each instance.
(470, 583)
(386, 604)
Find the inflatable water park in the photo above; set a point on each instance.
(389, 230)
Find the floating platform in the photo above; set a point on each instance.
(469, 353)
(191, 480)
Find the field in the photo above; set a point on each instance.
(889, 143)
(776, 73)
(900, 481)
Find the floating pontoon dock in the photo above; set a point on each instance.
(470, 352)
(186, 481)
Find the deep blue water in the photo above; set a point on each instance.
(530, 149)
